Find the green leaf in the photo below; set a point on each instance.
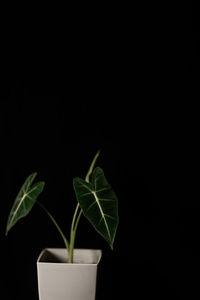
(99, 204)
(24, 201)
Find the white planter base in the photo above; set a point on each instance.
(59, 280)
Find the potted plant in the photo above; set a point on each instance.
(69, 273)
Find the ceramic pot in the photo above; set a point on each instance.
(60, 280)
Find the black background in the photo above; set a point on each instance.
(115, 84)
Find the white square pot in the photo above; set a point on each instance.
(59, 280)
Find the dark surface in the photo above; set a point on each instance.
(124, 96)
(155, 249)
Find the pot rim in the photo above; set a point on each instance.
(97, 251)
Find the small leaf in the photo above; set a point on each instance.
(24, 201)
(99, 204)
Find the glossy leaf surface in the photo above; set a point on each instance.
(24, 201)
(99, 204)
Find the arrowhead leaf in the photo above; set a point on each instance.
(24, 201)
(99, 204)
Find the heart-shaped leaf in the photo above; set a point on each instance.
(24, 201)
(99, 204)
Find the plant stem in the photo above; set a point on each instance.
(87, 177)
(74, 226)
(76, 219)
(56, 224)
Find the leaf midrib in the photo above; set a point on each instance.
(101, 211)
(20, 203)
(94, 192)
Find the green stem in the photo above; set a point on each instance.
(76, 219)
(87, 177)
(55, 223)
(74, 226)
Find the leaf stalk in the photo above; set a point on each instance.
(75, 220)
(55, 223)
